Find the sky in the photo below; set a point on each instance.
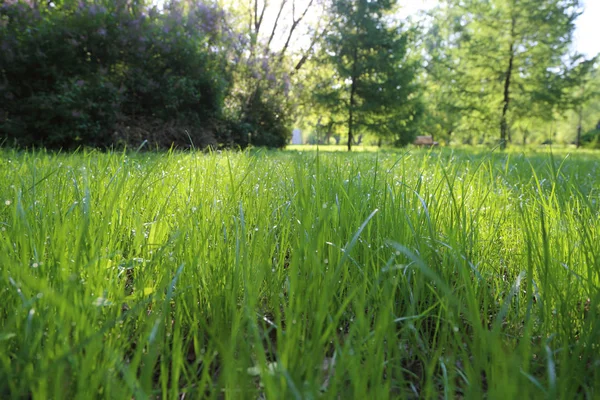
(587, 34)
(588, 29)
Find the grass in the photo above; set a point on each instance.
(411, 274)
(331, 148)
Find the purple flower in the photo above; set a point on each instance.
(13, 2)
(265, 64)
(286, 85)
(243, 39)
(102, 32)
(154, 12)
(80, 82)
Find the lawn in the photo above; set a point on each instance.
(373, 275)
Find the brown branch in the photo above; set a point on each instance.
(283, 3)
(251, 21)
(295, 23)
(304, 57)
(258, 20)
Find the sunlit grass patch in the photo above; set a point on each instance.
(368, 275)
(330, 148)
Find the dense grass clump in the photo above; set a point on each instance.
(289, 275)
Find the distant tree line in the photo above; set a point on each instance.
(107, 73)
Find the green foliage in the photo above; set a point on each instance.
(78, 73)
(259, 106)
(591, 139)
(373, 84)
(499, 66)
(266, 87)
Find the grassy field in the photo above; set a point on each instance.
(408, 274)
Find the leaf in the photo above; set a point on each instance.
(7, 336)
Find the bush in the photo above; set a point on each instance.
(591, 139)
(259, 109)
(267, 121)
(79, 72)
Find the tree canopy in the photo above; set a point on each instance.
(227, 73)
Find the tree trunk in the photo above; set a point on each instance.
(329, 133)
(352, 96)
(507, 81)
(351, 114)
(578, 141)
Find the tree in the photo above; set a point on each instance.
(374, 79)
(578, 122)
(447, 94)
(325, 119)
(263, 100)
(511, 53)
(586, 87)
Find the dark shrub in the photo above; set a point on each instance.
(591, 139)
(77, 73)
